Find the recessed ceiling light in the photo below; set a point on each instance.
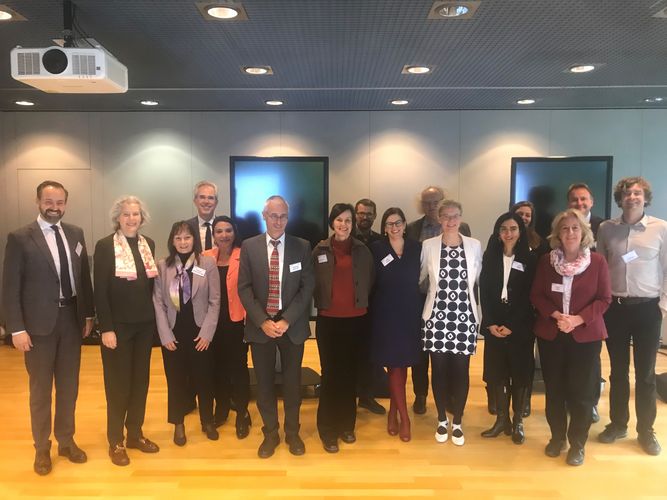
(221, 10)
(25, 103)
(654, 100)
(273, 102)
(258, 70)
(399, 102)
(415, 70)
(149, 102)
(453, 9)
(526, 101)
(582, 68)
(5, 16)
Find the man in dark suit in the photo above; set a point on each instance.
(276, 284)
(419, 230)
(580, 198)
(206, 201)
(48, 303)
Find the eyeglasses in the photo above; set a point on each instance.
(278, 218)
(397, 224)
(365, 214)
(450, 217)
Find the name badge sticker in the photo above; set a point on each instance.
(295, 267)
(198, 271)
(387, 260)
(557, 287)
(518, 266)
(629, 257)
(78, 249)
(322, 258)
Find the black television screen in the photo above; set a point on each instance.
(545, 181)
(302, 181)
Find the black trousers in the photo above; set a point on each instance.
(54, 358)
(230, 369)
(641, 325)
(420, 376)
(264, 363)
(508, 362)
(368, 374)
(126, 376)
(450, 381)
(187, 368)
(570, 371)
(338, 343)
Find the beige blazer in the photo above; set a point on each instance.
(205, 300)
(430, 270)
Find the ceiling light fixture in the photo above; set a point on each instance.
(25, 103)
(462, 9)
(399, 102)
(410, 69)
(5, 16)
(582, 68)
(452, 10)
(149, 102)
(258, 70)
(274, 102)
(225, 11)
(526, 101)
(654, 100)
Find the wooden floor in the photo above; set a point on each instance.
(377, 465)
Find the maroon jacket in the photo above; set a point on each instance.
(591, 296)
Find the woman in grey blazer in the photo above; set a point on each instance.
(187, 302)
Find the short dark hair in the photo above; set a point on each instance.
(338, 209)
(223, 218)
(578, 185)
(626, 182)
(53, 184)
(176, 228)
(367, 202)
(388, 213)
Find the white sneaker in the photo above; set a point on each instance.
(457, 435)
(442, 433)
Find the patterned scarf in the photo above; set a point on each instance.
(181, 281)
(570, 268)
(125, 267)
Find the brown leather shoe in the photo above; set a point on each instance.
(42, 465)
(118, 455)
(73, 453)
(142, 444)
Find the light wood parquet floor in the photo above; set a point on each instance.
(377, 465)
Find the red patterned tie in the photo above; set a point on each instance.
(274, 281)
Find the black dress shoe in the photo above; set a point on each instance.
(518, 436)
(118, 455)
(179, 435)
(42, 465)
(210, 431)
(419, 406)
(595, 416)
(371, 405)
(142, 444)
(649, 443)
(348, 437)
(330, 444)
(296, 445)
(243, 425)
(575, 456)
(268, 446)
(73, 453)
(611, 433)
(554, 447)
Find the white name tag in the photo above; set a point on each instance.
(78, 249)
(557, 287)
(387, 260)
(322, 258)
(295, 267)
(518, 266)
(198, 271)
(630, 256)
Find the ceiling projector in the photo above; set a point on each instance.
(69, 70)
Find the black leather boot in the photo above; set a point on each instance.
(491, 400)
(502, 423)
(519, 396)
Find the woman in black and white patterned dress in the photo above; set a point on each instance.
(451, 263)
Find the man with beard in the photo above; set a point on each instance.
(48, 303)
